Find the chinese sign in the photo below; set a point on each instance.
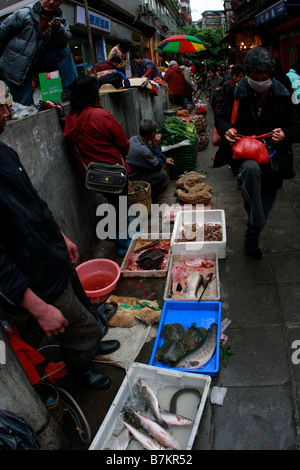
(96, 21)
(270, 13)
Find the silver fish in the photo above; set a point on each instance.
(121, 441)
(150, 398)
(198, 357)
(157, 432)
(146, 441)
(173, 419)
(193, 282)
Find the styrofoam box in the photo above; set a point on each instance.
(212, 291)
(164, 384)
(199, 217)
(144, 272)
(203, 314)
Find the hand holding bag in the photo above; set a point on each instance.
(250, 148)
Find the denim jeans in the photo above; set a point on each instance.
(57, 58)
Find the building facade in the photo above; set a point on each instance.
(274, 25)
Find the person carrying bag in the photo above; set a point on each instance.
(258, 112)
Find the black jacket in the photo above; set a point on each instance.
(33, 252)
(278, 112)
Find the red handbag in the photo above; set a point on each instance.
(250, 148)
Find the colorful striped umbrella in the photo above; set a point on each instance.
(181, 43)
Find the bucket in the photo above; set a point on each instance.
(51, 400)
(139, 192)
(98, 277)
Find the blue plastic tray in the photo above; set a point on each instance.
(186, 313)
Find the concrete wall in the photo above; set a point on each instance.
(39, 141)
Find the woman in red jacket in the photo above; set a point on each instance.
(98, 137)
(174, 76)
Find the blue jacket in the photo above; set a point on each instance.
(33, 252)
(142, 158)
(145, 66)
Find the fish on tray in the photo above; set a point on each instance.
(173, 419)
(193, 282)
(152, 402)
(121, 441)
(159, 434)
(198, 357)
(147, 442)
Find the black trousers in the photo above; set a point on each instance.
(81, 339)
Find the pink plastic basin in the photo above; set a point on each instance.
(98, 276)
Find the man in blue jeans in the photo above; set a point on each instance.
(34, 40)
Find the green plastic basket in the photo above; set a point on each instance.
(185, 158)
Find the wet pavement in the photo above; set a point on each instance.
(261, 298)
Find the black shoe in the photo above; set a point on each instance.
(93, 379)
(108, 347)
(252, 241)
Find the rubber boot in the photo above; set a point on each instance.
(122, 244)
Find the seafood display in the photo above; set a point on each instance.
(192, 278)
(151, 258)
(145, 256)
(142, 420)
(190, 349)
(207, 232)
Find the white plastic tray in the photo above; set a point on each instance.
(199, 217)
(213, 289)
(164, 383)
(143, 272)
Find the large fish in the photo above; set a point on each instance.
(146, 441)
(121, 441)
(193, 283)
(173, 419)
(150, 398)
(198, 357)
(157, 432)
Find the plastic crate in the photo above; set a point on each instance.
(186, 313)
(184, 156)
(164, 384)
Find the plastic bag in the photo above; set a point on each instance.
(20, 111)
(15, 434)
(250, 148)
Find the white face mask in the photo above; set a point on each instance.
(260, 87)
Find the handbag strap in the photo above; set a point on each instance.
(80, 156)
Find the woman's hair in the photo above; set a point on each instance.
(147, 127)
(84, 91)
(125, 45)
(258, 59)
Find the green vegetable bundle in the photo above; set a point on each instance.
(175, 130)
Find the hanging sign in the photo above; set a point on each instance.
(97, 21)
(270, 13)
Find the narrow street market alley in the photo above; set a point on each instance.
(261, 299)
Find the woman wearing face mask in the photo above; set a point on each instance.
(264, 107)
